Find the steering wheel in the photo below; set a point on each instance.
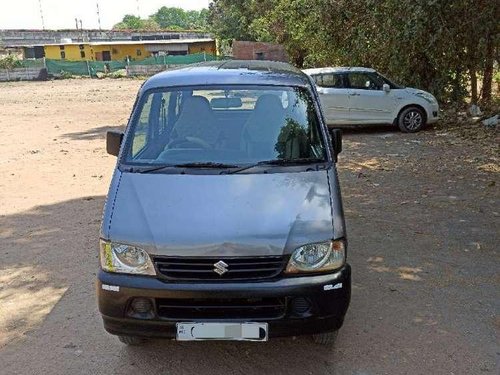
(192, 140)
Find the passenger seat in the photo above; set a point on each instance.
(197, 120)
(260, 133)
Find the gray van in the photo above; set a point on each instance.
(224, 218)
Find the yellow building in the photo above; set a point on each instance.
(120, 50)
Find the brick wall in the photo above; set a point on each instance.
(243, 50)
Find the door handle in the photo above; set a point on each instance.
(354, 94)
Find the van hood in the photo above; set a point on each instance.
(219, 215)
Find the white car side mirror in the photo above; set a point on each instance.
(386, 87)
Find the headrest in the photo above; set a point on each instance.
(268, 103)
(198, 105)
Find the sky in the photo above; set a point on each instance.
(61, 14)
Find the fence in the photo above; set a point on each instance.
(133, 67)
(23, 74)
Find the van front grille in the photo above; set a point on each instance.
(221, 308)
(220, 269)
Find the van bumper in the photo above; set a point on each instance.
(326, 299)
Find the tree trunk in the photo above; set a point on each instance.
(298, 56)
(456, 94)
(473, 85)
(488, 71)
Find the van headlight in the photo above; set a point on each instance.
(121, 258)
(317, 257)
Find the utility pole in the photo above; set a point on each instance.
(98, 16)
(138, 11)
(76, 23)
(41, 14)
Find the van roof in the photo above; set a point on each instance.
(245, 72)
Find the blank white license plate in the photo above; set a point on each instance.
(222, 331)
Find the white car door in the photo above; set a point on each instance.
(334, 97)
(368, 102)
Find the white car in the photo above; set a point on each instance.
(351, 96)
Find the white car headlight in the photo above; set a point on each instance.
(121, 258)
(318, 257)
(427, 97)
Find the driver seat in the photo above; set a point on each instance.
(196, 120)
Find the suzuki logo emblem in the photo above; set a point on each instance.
(220, 267)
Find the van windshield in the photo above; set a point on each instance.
(234, 125)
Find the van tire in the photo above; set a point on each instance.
(131, 340)
(411, 119)
(326, 338)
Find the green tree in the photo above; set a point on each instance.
(438, 45)
(178, 18)
(131, 22)
(231, 19)
(168, 17)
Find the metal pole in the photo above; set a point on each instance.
(41, 14)
(98, 16)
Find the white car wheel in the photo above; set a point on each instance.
(411, 120)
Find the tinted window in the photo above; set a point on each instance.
(365, 81)
(391, 83)
(329, 80)
(230, 124)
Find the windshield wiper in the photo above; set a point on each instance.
(298, 161)
(208, 164)
(150, 169)
(214, 165)
(184, 165)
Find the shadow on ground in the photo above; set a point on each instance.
(424, 297)
(93, 133)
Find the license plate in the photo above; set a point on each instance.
(222, 331)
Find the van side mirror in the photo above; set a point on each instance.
(336, 135)
(113, 142)
(386, 87)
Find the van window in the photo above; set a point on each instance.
(229, 124)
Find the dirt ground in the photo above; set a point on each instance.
(423, 223)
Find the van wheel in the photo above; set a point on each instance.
(326, 338)
(131, 340)
(411, 120)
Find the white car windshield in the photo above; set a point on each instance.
(236, 125)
